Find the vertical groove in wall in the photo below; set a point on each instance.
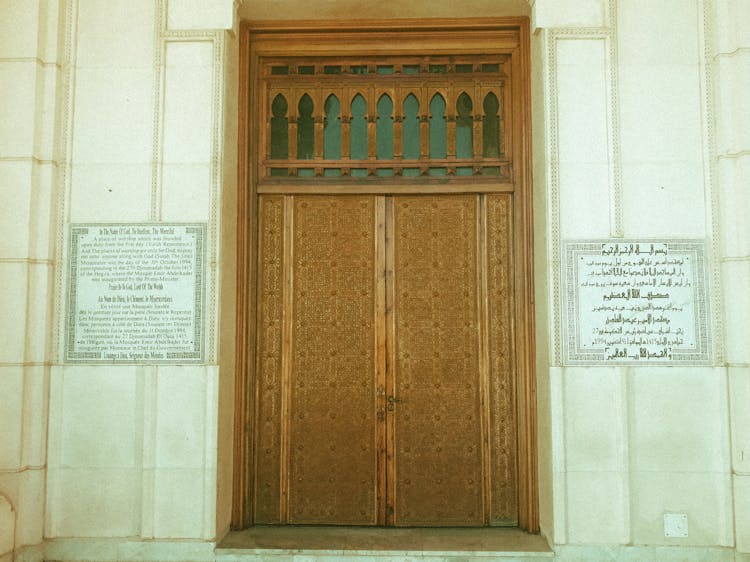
(706, 30)
(64, 155)
(148, 458)
(217, 158)
(553, 169)
(160, 47)
(630, 417)
(138, 443)
(617, 228)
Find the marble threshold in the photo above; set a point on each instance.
(300, 543)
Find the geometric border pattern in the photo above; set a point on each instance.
(197, 355)
(700, 353)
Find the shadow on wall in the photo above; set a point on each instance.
(7, 529)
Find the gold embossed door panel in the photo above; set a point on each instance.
(437, 419)
(317, 437)
(385, 390)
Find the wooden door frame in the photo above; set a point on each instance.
(373, 34)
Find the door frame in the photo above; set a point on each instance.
(373, 34)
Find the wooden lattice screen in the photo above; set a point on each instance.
(439, 117)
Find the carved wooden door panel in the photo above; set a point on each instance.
(452, 420)
(437, 435)
(384, 390)
(317, 453)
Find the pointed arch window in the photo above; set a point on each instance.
(438, 117)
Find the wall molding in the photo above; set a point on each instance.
(608, 34)
(63, 150)
(706, 31)
(164, 36)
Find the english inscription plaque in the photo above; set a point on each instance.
(635, 302)
(136, 293)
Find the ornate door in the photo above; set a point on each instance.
(385, 360)
(385, 391)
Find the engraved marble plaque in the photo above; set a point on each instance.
(635, 302)
(136, 293)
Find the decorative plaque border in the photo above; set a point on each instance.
(635, 302)
(129, 278)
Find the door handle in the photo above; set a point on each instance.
(392, 403)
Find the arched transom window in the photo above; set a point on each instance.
(439, 117)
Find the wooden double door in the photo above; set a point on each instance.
(384, 385)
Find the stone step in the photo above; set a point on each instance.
(360, 544)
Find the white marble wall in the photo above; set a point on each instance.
(29, 74)
(729, 65)
(628, 150)
(133, 450)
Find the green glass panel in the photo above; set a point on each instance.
(385, 69)
(275, 70)
(438, 171)
(410, 128)
(410, 69)
(491, 127)
(358, 173)
(332, 129)
(384, 172)
(437, 127)
(464, 124)
(306, 173)
(305, 129)
(464, 68)
(305, 70)
(358, 130)
(332, 173)
(384, 129)
(490, 68)
(279, 128)
(279, 172)
(438, 68)
(491, 171)
(332, 69)
(464, 171)
(410, 172)
(359, 69)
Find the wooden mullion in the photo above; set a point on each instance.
(398, 123)
(381, 495)
(478, 122)
(424, 124)
(346, 120)
(287, 328)
(390, 361)
(372, 113)
(293, 119)
(484, 353)
(450, 125)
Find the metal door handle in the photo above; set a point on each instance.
(392, 403)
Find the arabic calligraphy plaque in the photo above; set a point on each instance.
(135, 293)
(635, 302)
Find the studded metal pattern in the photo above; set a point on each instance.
(333, 455)
(268, 392)
(438, 440)
(504, 495)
